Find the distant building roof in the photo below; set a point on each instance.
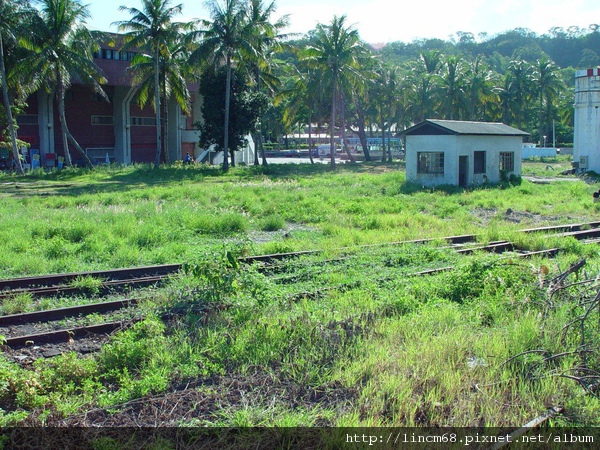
(456, 127)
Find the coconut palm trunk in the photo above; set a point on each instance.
(157, 109)
(343, 130)
(226, 125)
(166, 118)
(332, 125)
(382, 133)
(11, 124)
(362, 134)
(310, 153)
(67, 136)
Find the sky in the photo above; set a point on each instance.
(383, 21)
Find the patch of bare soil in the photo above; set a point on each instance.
(203, 402)
(485, 215)
(261, 237)
(25, 356)
(547, 180)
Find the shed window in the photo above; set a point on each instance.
(507, 161)
(478, 162)
(430, 162)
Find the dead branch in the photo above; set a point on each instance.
(568, 286)
(574, 352)
(521, 354)
(558, 280)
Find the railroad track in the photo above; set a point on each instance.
(116, 279)
(47, 285)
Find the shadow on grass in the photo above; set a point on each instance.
(410, 188)
(116, 178)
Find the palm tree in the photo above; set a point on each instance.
(518, 87)
(430, 61)
(266, 40)
(422, 95)
(12, 14)
(226, 39)
(452, 86)
(62, 49)
(384, 92)
(479, 84)
(302, 99)
(174, 72)
(548, 86)
(152, 30)
(337, 52)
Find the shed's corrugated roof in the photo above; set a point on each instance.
(466, 128)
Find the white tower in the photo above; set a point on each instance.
(586, 139)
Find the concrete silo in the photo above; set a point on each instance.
(586, 139)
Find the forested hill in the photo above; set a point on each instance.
(574, 47)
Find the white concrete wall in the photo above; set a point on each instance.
(586, 139)
(446, 144)
(455, 146)
(530, 152)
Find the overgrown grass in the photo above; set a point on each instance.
(114, 217)
(351, 322)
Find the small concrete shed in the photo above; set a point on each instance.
(461, 153)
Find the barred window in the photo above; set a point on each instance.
(507, 161)
(106, 53)
(102, 120)
(143, 121)
(430, 162)
(478, 162)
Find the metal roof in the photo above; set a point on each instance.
(457, 127)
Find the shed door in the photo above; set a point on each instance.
(463, 169)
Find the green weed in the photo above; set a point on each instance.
(17, 303)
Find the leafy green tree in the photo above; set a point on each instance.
(62, 50)
(228, 37)
(152, 31)
(246, 107)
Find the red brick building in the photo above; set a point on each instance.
(119, 128)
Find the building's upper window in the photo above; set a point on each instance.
(143, 121)
(507, 161)
(430, 162)
(478, 162)
(27, 119)
(107, 53)
(102, 120)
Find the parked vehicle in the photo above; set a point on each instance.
(292, 154)
(324, 150)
